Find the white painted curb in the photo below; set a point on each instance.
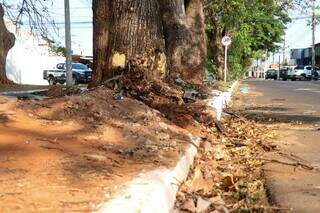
(220, 99)
(155, 191)
(23, 92)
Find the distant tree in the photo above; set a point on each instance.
(256, 27)
(57, 49)
(6, 42)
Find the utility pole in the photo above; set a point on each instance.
(284, 51)
(278, 75)
(68, 42)
(313, 25)
(273, 58)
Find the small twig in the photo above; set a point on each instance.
(219, 125)
(275, 208)
(117, 77)
(235, 115)
(193, 144)
(291, 156)
(53, 141)
(302, 165)
(56, 148)
(180, 182)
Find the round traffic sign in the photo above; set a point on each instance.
(226, 40)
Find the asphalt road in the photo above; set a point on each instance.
(288, 100)
(293, 108)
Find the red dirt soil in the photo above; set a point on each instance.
(73, 153)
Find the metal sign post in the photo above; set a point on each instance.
(225, 62)
(226, 42)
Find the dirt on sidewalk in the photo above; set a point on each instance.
(72, 153)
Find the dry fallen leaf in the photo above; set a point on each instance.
(188, 205)
(202, 204)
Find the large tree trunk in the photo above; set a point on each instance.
(129, 35)
(6, 43)
(183, 22)
(176, 34)
(132, 37)
(218, 52)
(100, 38)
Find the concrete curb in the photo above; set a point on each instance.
(155, 191)
(23, 92)
(220, 99)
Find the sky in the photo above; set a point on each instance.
(298, 33)
(81, 24)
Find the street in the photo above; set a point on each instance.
(293, 109)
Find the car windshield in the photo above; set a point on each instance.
(79, 66)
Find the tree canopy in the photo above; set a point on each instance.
(33, 14)
(256, 26)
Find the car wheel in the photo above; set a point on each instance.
(293, 79)
(52, 81)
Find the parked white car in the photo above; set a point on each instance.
(303, 72)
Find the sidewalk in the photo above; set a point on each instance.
(290, 109)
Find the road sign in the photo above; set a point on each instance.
(226, 41)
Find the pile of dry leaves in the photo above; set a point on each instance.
(227, 174)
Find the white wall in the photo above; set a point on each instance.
(28, 58)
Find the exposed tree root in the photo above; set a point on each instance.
(5, 82)
(166, 97)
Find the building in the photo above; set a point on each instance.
(29, 57)
(303, 56)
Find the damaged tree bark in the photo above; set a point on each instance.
(6, 43)
(130, 34)
(131, 37)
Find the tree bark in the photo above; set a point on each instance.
(218, 51)
(131, 37)
(183, 23)
(6, 43)
(197, 50)
(129, 34)
(176, 34)
(100, 39)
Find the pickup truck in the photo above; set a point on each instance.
(303, 72)
(81, 73)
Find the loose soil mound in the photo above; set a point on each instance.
(72, 153)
